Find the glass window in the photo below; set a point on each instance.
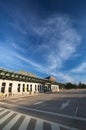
(10, 84)
(31, 87)
(2, 89)
(18, 87)
(23, 88)
(4, 84)
(27, 87)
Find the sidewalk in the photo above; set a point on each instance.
(20, 96)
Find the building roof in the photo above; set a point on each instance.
(51, 78)
(12, 75)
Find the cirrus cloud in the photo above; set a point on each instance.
(80, 69)
(60, 40)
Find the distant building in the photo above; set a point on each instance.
(54, 84)
(14, 83)
(50, 78)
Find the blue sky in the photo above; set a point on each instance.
(46, 37)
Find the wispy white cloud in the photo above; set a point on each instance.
(60, 42)
(28, 61)
(17, 47)
(12, 59)
(8, 52)
(59, 39)
(48, 71)
(80, 69)
(65, 77)
(18, 27)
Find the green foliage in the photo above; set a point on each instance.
(74, 86)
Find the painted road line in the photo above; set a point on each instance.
(18, 123)
(31, 125)
(2, 112)
(6, 117)
(7, 121)
(55, 127)
(76, 111)
(24, 124)
(1, 109)
(13, 121)
(46, 112)
(46, 126)
(39, 125)
(38, 102)
(65, 104)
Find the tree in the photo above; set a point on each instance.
(70, 86)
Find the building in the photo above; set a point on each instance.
(13, 83)
(54, 84)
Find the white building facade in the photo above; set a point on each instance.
(55, 88)
(12, 88)
(12, 84)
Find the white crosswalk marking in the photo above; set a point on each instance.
(1, 113)
(12, 122)
(1, 108)
(6, 114)
(39, 125)
(55, 127)
(24, 124)
(6, 117)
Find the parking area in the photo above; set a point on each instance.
(66, 107)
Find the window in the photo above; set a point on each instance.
(23, 88)
(3, 87)
(27, 87)
(3, 84)
(35, 88)
(10, 89)
(31, 87)
(10, 84)
(18, 87)
(38, 87)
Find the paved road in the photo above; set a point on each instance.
(67, 108)
(11, 120)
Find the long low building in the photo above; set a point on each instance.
(13, 83)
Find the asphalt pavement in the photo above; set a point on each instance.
(11, 120)
(67, 108)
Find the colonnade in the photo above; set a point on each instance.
(8, 87)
